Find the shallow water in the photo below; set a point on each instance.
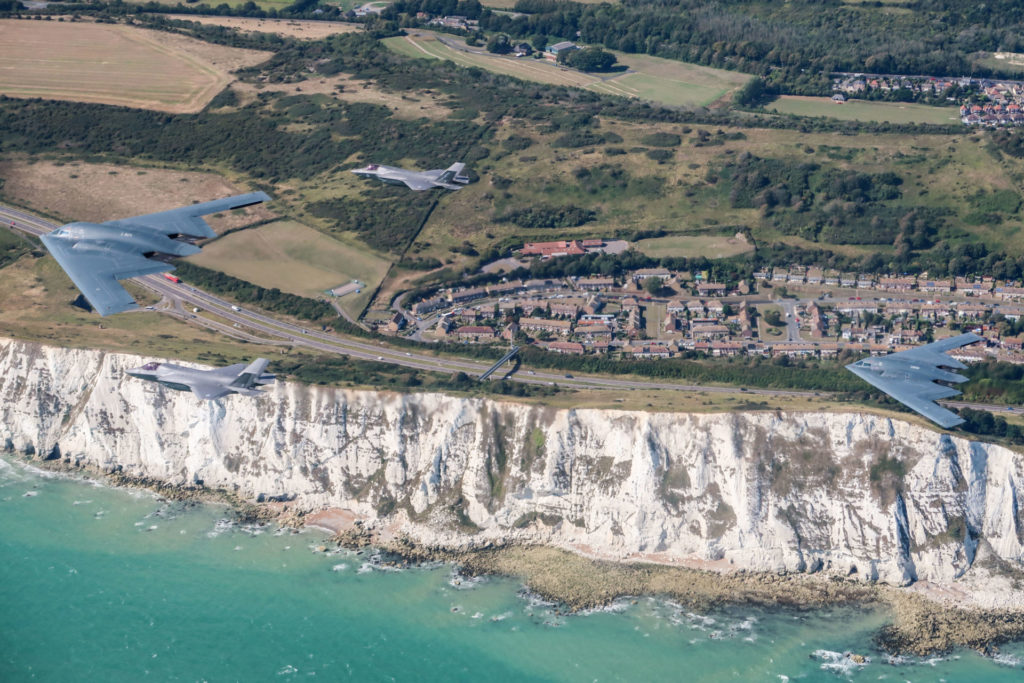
(106, 584)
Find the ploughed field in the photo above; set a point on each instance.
(114, 64)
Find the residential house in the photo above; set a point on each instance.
(464, 295)
(475, 333)
(595, 284)
(562, 327)
(711, 288)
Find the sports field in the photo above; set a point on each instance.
(649, 78)
(689, 246)
(114, 64)
(295, 258)
(857, 110)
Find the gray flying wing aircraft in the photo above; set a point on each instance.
(96, 255)
(416, 180)
(910, 377)
(208, 384)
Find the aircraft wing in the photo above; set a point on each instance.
(208, 389)
(187, 220)
(918, 395)
(419, 183)
(934, 353)
(908, 377)
(96, 274)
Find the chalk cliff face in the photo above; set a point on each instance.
(834, 492)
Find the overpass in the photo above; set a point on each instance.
(507, 357)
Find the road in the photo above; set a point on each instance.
(256, 327)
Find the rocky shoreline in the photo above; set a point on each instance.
(920, 626)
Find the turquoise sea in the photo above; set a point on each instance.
(101, 584)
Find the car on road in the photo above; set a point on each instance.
(407, 353)
(568, 376)
(235, 308)
(380, 357)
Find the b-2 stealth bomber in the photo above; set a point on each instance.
(416, 180)
(208, 384)
(96, 255)
(910, 377)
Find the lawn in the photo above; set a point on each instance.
(295, 258)
(858, 110)
(114, 64)
(660, 80)
(709, 246)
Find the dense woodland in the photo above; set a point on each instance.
(795, 44)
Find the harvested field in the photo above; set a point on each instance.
(295, 258)
(858, 110)
(665, 81)
(308, 30)
(115, 64)
(102, 192)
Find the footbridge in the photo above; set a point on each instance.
(504, 359)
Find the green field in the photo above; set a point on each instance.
(709, 246)
(665, 81)
(858, 110)
(295, 258)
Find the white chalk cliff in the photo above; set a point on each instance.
(835, 492)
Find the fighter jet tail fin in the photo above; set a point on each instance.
(449, 175)
(253, 375)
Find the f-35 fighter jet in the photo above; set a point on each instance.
(208, 384)
(96, 255)
(416, 180)
(910, 377)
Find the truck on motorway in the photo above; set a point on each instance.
(172, 278)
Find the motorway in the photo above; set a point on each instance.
(256, 327)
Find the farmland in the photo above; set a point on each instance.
(293, 28)
(858, 110)
(297, 259)
(100, 192)
(114, 64)
(649, 78)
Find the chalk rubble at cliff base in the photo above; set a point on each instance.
(852, 495)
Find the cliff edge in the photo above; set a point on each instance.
(846, 493)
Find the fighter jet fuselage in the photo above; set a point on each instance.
(208, 384)
(448, 178)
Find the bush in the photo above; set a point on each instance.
(548, 217)
(661, 140)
